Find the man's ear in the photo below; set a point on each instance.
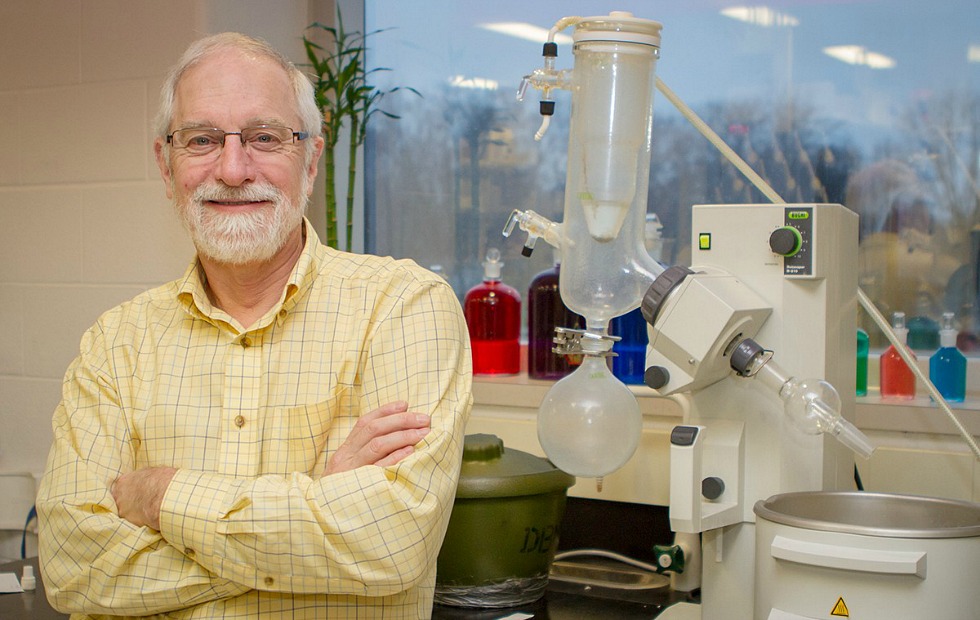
(314, 162)
(164, 165)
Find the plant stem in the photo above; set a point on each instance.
(331, 196)
(351, 176)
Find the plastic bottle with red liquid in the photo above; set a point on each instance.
(897, 380)
(493, 316)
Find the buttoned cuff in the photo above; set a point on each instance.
(190, 510)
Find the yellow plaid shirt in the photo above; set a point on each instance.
(249, 526)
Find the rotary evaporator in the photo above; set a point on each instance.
(749, 340)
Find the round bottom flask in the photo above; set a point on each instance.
(589, 422)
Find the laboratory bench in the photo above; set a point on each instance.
(920, 451)
(563, 601)
(569, 601)
(31, 605)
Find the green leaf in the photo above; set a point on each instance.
(344, 97)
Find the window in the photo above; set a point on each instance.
(870, 104)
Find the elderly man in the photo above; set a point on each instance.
(279, 431)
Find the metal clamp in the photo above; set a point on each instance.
(569, 341)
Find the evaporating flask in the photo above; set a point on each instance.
(589, 423)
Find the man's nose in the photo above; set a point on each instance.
(235, 166)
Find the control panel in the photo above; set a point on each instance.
(794, 241)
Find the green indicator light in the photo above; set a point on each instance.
(798, 215)
(704, 241)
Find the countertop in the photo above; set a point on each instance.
(562, 601)
(569, 601)
(31, 605)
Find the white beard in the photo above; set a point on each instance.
(239, 238)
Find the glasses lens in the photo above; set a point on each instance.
(267, 137)
(198, 141)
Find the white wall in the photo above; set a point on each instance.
(84, 221)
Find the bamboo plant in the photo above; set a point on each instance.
(345, 98)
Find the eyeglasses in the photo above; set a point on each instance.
(261, 138)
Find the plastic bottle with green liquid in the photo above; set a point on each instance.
(861, 380)
(923, 330)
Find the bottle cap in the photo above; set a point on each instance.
(28, 581)
(898, 325)
(492, 266)
(947, 335)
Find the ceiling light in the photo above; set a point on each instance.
(482, 83)
(973, 53)
(760, 16)
(528, 32)
(859, 55)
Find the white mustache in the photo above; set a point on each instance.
(256, 192)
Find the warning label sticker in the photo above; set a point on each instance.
(840, 609)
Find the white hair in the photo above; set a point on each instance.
(309, 113)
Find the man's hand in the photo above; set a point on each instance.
(382, 437)
(138, 494)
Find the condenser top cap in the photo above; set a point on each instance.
(618, 26)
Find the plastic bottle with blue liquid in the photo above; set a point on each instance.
(947, 366)
(629, 363)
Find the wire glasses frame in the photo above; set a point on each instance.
(261, 138)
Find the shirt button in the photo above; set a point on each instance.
(269, 581)
(189, 552)
(239, 421)
(282, 313)
(246, 342)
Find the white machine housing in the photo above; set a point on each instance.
(744, 439)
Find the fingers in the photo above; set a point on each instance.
(393, 441)
(382, 437)
(398, 406)
(396, 456)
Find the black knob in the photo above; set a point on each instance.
(656, 377)
(712, 487)
(785, 241)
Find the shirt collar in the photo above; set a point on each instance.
(192, 286)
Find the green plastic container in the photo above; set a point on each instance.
(504, 528)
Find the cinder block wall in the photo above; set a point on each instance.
(84, 221)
